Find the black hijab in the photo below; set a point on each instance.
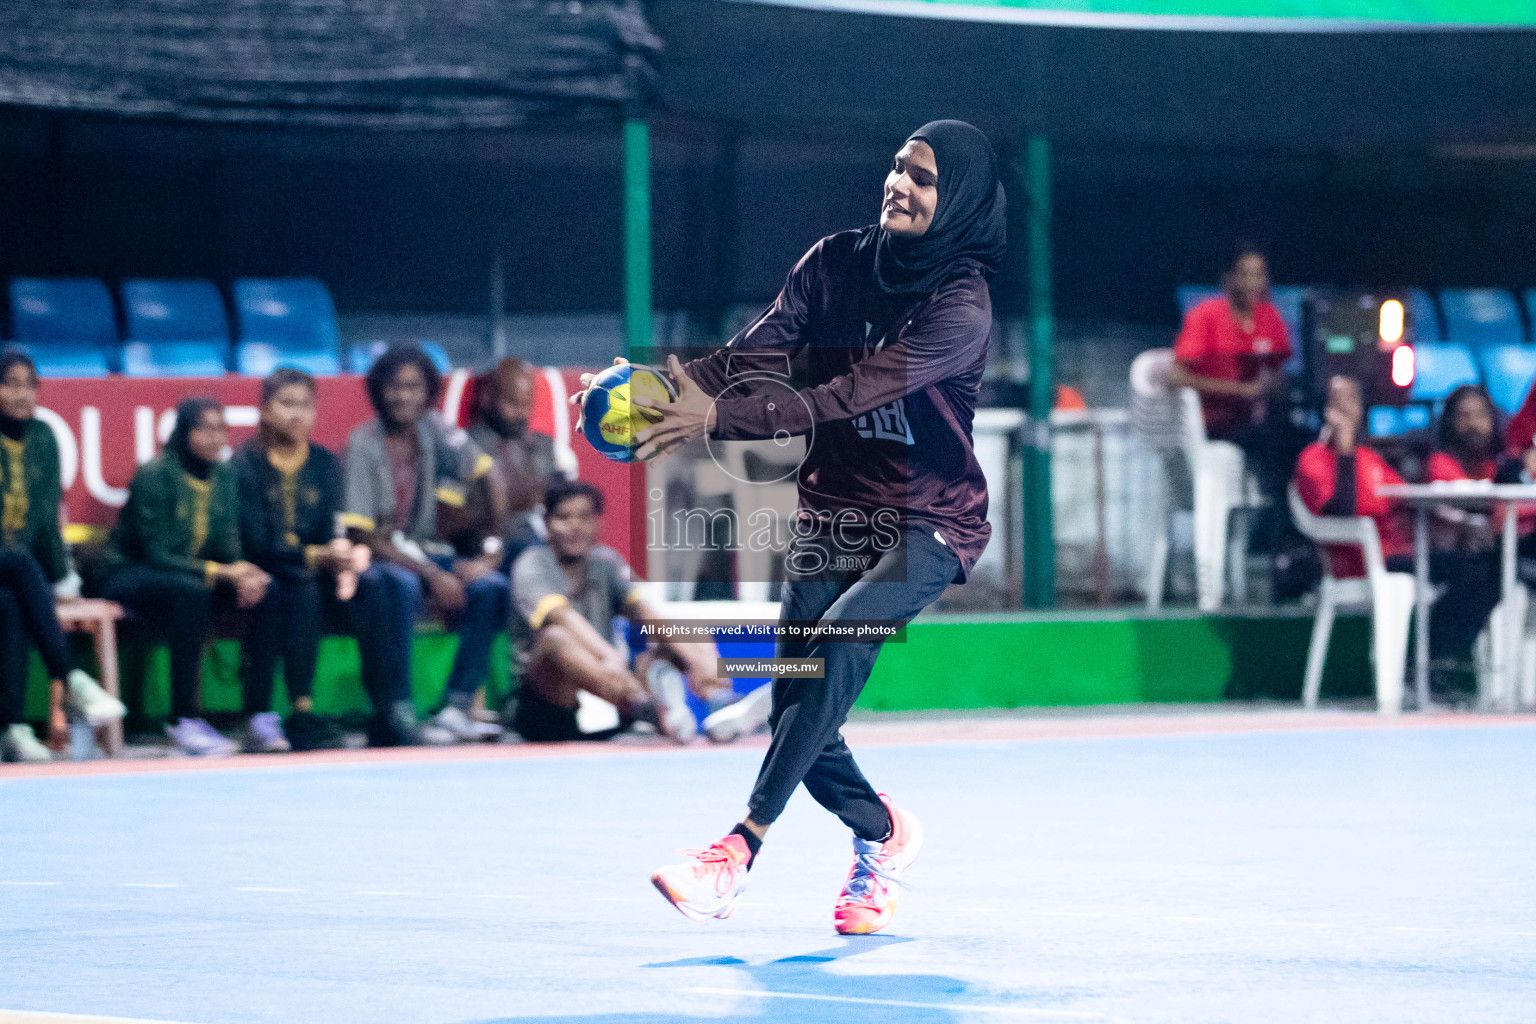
(188, 415)
(969, 231)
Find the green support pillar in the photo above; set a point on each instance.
(1039, 536)
(637, 235)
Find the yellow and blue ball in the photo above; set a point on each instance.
(611, 420)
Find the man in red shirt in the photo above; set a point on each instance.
(1231, 348)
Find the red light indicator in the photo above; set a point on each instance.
(1402, 366)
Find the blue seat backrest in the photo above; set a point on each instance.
(1440, 368)
(1508, 371)
(53, 309)
(1191, 295)
(290, 313)
(1393, 421)
(1481, 316)
(1423, 315)
(188, 310)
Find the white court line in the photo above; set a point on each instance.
(29, 883)
(42, 1017)
(1028, 1011)
(262, 888)
(384, 892)
(151, 885)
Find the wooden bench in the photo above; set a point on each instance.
(99, 618)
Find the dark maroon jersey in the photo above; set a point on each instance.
(889, 398)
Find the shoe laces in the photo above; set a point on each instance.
(719, 859)
(867, 867)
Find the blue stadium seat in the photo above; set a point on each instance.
(1481, 316)
(361, 356)
(290, 316)
(258, 358)
(1508, 371)
(1393, 421)
(66, 323)
(1423, 315)
(1191, 295)
(175, 329)
(1441, 368)
(365, 353)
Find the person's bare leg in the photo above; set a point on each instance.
(561, 667)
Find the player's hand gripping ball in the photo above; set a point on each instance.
(610, 419)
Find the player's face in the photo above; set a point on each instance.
(18, 393)
(208, 438)
(515, 408)
(405, 396)
(911, 191)
(1473, 422)
(1250, 278)
(290, 413)
(572, 527)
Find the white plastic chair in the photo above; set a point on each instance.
(1204, 476)
(1389, 595)
(1506, 678)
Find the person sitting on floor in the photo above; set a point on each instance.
(174, 557)
(290, 497)
(398, 467)
(31, 558)
(1339, 476)
(567, 595)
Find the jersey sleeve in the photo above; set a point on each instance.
(361, 508)
(948, 335)
(538, 586)
(766, 345)
(1315, 477)
(1193, 341)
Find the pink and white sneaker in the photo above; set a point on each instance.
(710, 882)
(868, 900)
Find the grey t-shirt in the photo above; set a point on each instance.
(540, 585)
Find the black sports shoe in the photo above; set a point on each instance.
(309, 731)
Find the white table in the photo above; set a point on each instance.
(1473, 494)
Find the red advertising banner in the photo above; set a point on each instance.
(106, 428)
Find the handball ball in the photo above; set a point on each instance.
(610, 420)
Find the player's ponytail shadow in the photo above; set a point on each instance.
(800, 988)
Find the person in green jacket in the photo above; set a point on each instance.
(175, 554)
(31, 560)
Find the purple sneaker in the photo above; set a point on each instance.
(196, 737)
(264, 734)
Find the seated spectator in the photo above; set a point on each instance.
(174, 557)
(398, 467)
(290, 498)
(1338, 476)
(523, 462)
(31, 558)
(568, 595)
(1231, 349)
(1469, 449)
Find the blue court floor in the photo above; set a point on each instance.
(1335, 875)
